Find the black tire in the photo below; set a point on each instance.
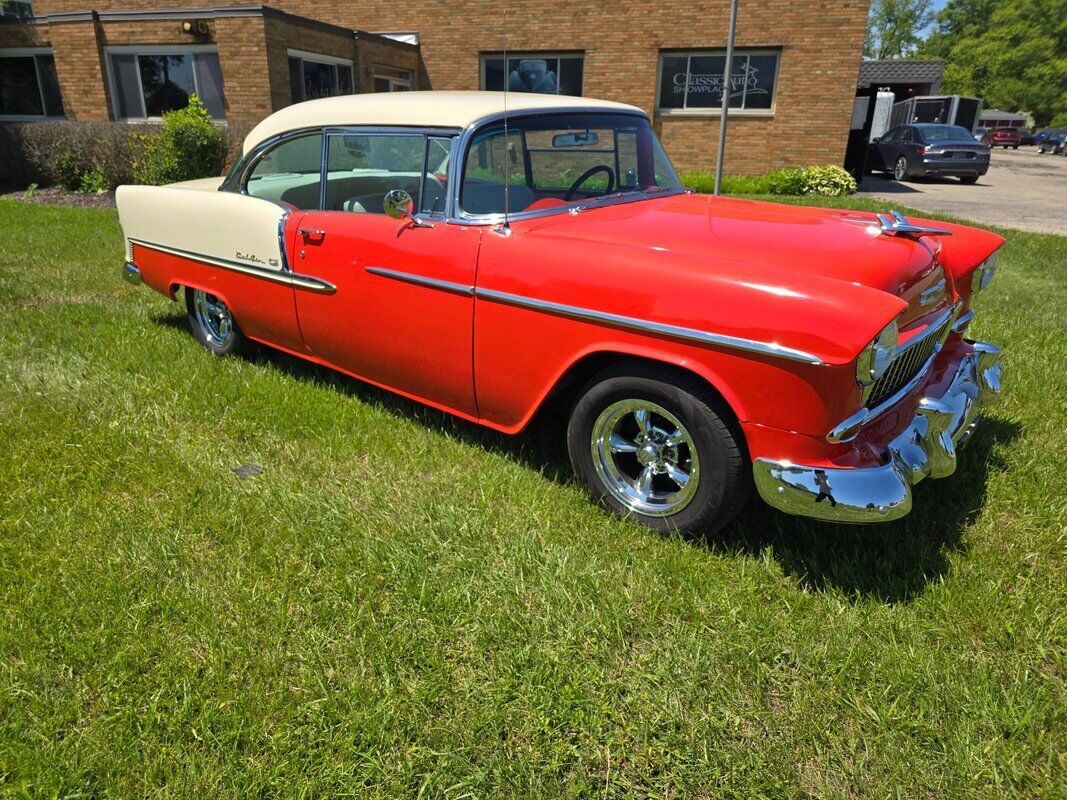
(968, 179)
(900, 169)
(1015, 147)
(724, 478)
(234, 342)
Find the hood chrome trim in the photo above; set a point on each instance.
(647, 326)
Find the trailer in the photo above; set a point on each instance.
(947, 109)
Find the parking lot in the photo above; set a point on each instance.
(1021, 190)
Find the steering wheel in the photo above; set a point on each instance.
(589, 173)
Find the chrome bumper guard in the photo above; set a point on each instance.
(925, 449)
(130, 273)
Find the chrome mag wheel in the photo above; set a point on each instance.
(213, 317)
(901, 170)
(645, 457)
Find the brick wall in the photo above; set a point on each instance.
(820, 43)
(80, 69)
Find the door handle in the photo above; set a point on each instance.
(312, 233)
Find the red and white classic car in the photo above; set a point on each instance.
(484, 262)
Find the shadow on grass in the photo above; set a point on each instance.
(891, 562)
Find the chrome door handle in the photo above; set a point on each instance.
(312, 233)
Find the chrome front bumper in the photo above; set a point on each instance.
(925, 448)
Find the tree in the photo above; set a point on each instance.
(895, 27)
(1011, 53)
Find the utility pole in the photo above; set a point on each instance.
(719, 156)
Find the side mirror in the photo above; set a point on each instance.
(398, 204)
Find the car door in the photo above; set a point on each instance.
(886, 149)
(402, 312)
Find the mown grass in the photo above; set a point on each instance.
(400, 604)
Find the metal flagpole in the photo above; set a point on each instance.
(725, 97)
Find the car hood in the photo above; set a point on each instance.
(789, 246)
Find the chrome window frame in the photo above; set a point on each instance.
(460, 216)
(237, 181)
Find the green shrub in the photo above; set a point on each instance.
(831, 181)
(188, 145)
(60, 153)
(828, 181)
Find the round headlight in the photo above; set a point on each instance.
(877, 356)
(983, 276)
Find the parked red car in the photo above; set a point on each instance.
(488, 262)
(1004, 137)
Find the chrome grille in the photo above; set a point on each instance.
(906, 365)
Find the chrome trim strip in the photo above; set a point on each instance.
(960, 325)
(646, 326)
(276, 275)
(422, 280)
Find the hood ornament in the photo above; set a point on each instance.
(894, 224)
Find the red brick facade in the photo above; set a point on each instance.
(819, 42)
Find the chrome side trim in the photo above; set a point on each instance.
(646, 326)
(422, 280)
(276, 275)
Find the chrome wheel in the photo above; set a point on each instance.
(901, 170)
(645, 457)
(213, 317)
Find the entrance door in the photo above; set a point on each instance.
(402, 315)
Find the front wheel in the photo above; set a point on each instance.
(900, 171)
(657, 446)
(212, 323)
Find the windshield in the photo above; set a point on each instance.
(560, 160)
(944, 133)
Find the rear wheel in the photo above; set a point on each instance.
(657, 446)
(900, 171)
(968, 179)
(212, 323)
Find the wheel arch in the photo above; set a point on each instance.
(564, 390)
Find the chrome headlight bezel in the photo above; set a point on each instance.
(875, 358)
(984, 273)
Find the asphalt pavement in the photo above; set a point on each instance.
(1022, 190)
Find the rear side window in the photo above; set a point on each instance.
(290, 173)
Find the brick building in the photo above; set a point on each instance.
(791, 88)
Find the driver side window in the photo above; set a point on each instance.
(362, 168)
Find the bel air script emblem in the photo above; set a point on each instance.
(252, 258)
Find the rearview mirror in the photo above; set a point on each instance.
(398, 204)
(582, 139)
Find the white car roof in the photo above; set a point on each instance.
(422, 109)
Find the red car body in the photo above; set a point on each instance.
(769, 305)
(1005, 137)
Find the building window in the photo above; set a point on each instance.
(21, 9)
(28, 85)
(312, 76)
(146, 82)
(387, 79)
(694, 81)
(532, 72)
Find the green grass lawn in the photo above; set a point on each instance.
(401, 604)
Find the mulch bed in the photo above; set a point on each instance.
(54, 196)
